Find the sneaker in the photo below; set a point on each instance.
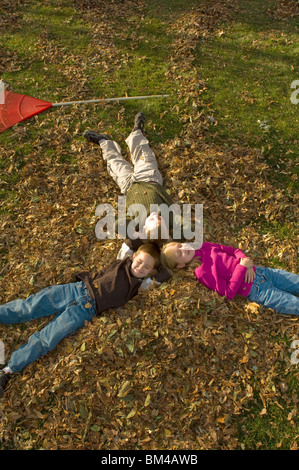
(4, 378)
(92, 136)
(139, 122)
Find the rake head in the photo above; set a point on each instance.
(16, 108)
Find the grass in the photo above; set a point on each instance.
(271, 431)
(248, 71)
(270, 428)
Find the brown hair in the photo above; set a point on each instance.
(151, 250)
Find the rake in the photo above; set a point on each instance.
(15, 107)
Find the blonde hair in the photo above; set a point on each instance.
(152, 250)
(168, 258)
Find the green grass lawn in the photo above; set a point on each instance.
(249, 68)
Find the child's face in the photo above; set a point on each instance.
(181, 253)
(142, 265)
(154, 221)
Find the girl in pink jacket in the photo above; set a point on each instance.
(229, 272)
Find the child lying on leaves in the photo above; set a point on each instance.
(75, 303)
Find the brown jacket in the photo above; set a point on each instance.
(113, 286)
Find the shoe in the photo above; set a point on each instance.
(92, 136)
(139, 122)
(4, 378)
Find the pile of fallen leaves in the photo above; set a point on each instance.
(287, 9)
(177, 365)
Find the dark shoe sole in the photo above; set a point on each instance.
(139, 122)
(94, 137)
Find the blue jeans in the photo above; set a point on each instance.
(71, 304)
(276, 289)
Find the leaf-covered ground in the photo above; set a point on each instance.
(178, 367)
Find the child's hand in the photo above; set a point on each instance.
(247, 262)
(250, 275)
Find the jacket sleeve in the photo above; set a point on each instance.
(226, 288)
(232, 286)
(128, 247)
(162, 275)
(124, 251)
(230, 250)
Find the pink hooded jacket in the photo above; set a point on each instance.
(220, 270)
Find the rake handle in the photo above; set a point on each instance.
(124, 98)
